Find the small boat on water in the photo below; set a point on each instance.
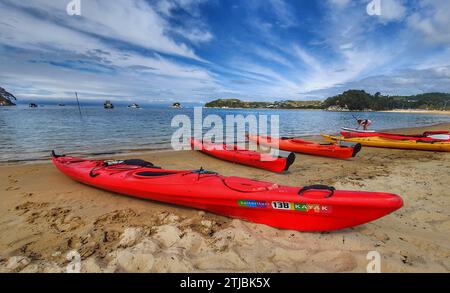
(176, 106)
(308, 208)
(33, 105)
(108, 105)
(134, 106)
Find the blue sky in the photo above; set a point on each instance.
(198, 50)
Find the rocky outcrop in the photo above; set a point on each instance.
(6, 98)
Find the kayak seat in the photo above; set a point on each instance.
(153, 174)
(140, 163)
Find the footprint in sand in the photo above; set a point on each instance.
(118, 216)
(27, 194)
(12, 184)
(30, 206)
(59, 219)
(62, 220)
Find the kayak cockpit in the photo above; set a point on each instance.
(152, 174)
(248, 185)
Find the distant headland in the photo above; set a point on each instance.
(6, 98)
(351, 100)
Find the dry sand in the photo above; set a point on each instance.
(45, 215)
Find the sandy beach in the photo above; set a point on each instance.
(45, 215)
(418, 111)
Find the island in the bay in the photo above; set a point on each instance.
(351, 100)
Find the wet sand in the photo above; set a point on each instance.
(45, 215)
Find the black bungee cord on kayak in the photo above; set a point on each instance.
(202, 171)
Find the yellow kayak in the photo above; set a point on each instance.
(375, 141)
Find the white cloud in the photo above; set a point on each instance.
(340, 3)
(312, 63)
(349, 49)
(269, 14)
(392, 10)
(134, 22)
(190, 6)
(59, 53)
(44, 81)
(121, 49)
(404, 82)
(195, 35)
(283, 12)
(353, 64)
(192, 29)
(271, 55)
(432, 21)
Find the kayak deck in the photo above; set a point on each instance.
(308, 147)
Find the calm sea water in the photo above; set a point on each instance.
(30, 134)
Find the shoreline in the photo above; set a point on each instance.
(410, 111)
(262, 108)
(130, 152)
(114, 233)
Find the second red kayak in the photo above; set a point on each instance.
(308, 147)
(244, 157)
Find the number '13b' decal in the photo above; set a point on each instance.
(281, 205)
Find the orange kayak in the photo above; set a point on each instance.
(308, 147)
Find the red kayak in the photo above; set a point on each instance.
(245, 157)
(311, 208)
(308, 147)
(438, 135)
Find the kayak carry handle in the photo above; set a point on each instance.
(331, 189)
(92, 174)
(356, 149)
(289, 161)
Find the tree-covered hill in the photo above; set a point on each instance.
(357, 100)
(289, 104)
